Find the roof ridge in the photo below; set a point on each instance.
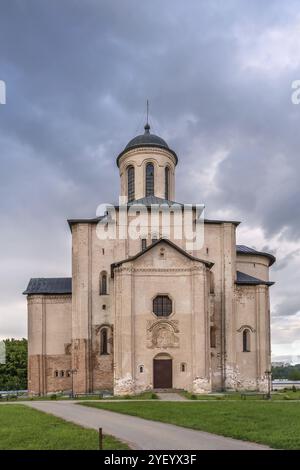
(152, 245)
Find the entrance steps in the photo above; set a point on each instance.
(169, 394)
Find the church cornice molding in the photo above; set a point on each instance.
(50, 299)
(131, 270)
(149, 150)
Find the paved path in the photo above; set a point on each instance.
(170, 396)
(141, 433)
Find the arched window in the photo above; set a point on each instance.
(154, 238)
(56, 373)
(103, 342)
(183, 367)
(103, 284)
(150, 179)
(144, 243)
(212, 337)
(167, 182)
(62, 373)
(162, 306)
(246, 341)
(211, 283)
(130, 183)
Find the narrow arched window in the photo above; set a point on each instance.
(130, 183)
(150, 179)
(212, 337)
(62, 373)
(246, 341)
(103, 342)
(103, 284)
(144, 243)
(56, 373)
(167, 182)
(211, 283)
(154, 238)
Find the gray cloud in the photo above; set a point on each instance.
(218, 76)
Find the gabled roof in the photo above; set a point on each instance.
(49, 285)
(244, 279)
(157, 242)
(246, 250)
(149, 200)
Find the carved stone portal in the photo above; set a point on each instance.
(161, 334)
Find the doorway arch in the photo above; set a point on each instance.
(162, 371)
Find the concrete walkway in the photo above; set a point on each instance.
(141, 433)
(170, 396)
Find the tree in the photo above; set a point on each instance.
(286, 372)
(13, 374)
(294, 375)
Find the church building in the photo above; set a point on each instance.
(149, 312)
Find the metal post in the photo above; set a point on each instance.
(100, 439)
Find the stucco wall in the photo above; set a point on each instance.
(49, 339)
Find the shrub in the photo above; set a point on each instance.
(12, 397)
(53, 396)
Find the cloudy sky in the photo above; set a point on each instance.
(218, 76)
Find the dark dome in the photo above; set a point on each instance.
(146, 140)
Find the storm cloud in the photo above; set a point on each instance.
(218, 76)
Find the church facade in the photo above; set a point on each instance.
(148, 312)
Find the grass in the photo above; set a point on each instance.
(141, 396)
(270, 423)
(23, 428)
(236, 396)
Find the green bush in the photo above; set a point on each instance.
(13, 374)
(53, 396)
(12, 397)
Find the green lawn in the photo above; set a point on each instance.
(58, 396)
(23, 428)
(282, 395)
(271, 423)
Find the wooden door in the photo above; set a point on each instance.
(162, 373)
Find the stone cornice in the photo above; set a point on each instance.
(150, 269)
(50, 299)
(149, 150)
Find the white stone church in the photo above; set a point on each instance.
(148, 312)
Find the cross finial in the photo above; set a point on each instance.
(147, 126)
(147, 110)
